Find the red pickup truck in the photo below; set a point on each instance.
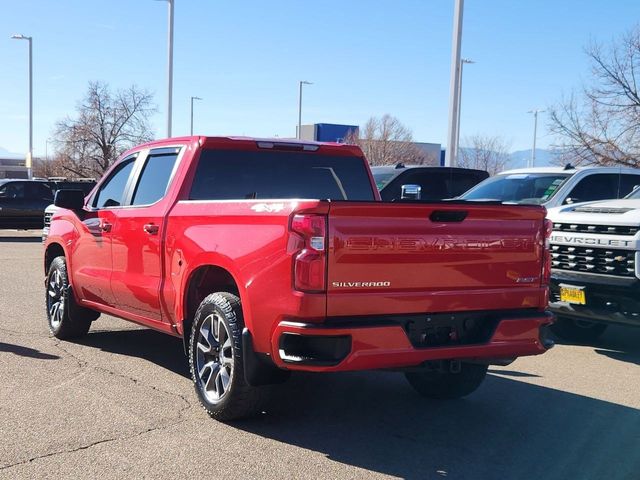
(271, 256)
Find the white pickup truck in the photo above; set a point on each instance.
(555, 186)
(595, 276)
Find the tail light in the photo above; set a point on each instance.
(310, 263)
(546, 252)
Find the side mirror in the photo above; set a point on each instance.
(410, 192)
(69, 199)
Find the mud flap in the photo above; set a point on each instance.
(259, 371)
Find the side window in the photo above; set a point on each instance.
(432, 183)
(627, 183)
(599, 186)
(111, 191)
(39, 191)
(155, 176)
(13, 190)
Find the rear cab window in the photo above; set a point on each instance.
(238, 174)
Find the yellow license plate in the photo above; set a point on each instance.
(573, 295)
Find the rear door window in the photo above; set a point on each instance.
(155, 176)
(628, 183)
(39, 191)
(236, 175)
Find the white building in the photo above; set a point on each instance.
(12, 165)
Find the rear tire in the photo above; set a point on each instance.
(445, 385)
(65, 317)
(216, 361)
(576, 330)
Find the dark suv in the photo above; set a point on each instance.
(437, 183)
(22, 203)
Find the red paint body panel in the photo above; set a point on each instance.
(489, 261)
(493, 257)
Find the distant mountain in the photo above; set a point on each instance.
(4, 153)
(520, 158)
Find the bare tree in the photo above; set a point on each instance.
(484, 153)
(386, 141)
(106, 124)
(601, 123)
(48, 167)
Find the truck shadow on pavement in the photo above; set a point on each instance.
(507, 429)
(161, 349)
(374, 421)
(618, 342)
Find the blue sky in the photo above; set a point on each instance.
(245, 58)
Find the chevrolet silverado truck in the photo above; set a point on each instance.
(273, 256)
(595, 277)
(555, 186)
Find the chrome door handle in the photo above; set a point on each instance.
(151, 229)
(105, 226)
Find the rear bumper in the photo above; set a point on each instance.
(346, 348)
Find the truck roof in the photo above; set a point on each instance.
(234, 139)
(572, 170)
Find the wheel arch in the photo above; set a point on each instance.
(53, 250)
(203, 280)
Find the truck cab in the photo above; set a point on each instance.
(555, 186)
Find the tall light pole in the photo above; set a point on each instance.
(454, 96)
(29, 158)
(192, 99)
(302, 82)
(457, 145)
(535, 135)
(169, 67)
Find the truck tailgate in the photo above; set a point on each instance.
(414, 258)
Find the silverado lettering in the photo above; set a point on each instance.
(360, 284)
(179, 236)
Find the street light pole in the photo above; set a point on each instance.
(170, 70)
(192, 99)
(302, 82)
(535, 135)
(462, 62)
(454, 95)
(169, 67)
(29, 158)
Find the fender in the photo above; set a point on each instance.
(215, 260)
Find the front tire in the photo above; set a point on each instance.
(578, 330)
(215, 358)
(442, 384)
(65, 317)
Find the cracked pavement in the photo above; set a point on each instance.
(119, 404)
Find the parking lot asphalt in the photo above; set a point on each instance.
(119, 404)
